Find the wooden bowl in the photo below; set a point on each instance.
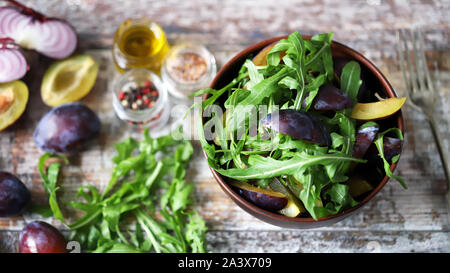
(230, 70)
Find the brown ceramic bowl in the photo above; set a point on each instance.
(230, 71)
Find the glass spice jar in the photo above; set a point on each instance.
(187, 68)
(140, 98)
(139, 43)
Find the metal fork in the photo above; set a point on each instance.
(422, 91)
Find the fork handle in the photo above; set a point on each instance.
(439, 143)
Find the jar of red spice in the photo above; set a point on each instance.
(188, 67)
(140, 98)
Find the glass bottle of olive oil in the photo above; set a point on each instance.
(139, 43)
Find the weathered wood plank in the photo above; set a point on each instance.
(290, 241)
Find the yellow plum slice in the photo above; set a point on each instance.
(377, 110)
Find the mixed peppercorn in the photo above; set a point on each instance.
(140, 97)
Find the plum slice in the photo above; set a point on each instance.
(330, 98)
(377, 110)
(364, 138)
(298, 125)
(294, 207)
(40, 237)
(67, 128)
(265, 199)
(69, 80)
(358, 186)
(14, 196)
(13, 101)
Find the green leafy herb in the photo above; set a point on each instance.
(143, 172)
(351, 80)
(49, 181)
(266, 167)
(387, 167)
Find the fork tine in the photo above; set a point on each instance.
(402, 61)
(430, 84)
(412, 73)
(437, 80)
(407, 82)
(420, 61)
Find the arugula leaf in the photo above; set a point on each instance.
(49, 181)
(325, 53)
(387, 167)
(265, 88)
(195, 238)
(339, 198)
(255, 76)
(268, 167)
(350, 80)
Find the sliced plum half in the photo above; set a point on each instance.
(13, 101)
(298, 125)
(330, 98)
(265, 199)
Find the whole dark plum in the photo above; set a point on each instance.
(14, 196)
(330, 98)
(66, 129)
(298, 125)
(40, 237)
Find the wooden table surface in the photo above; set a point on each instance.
(396, 220)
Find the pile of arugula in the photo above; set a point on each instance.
(145, 172)
(314, 173)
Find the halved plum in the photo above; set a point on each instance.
(265, 199)
(298, 125)
(377, 110)
(67, 128)
(13, 101)
(330, 98)
(69, 80)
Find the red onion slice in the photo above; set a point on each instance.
(56, 39)
(12, 22)
(51, 37)
(13, 65)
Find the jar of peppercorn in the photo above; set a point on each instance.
(140, 98)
